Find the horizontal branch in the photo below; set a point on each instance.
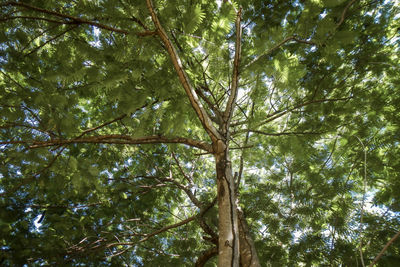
(101, 242)
(115, 139)
(168, 227)
(279, 113)
(104, 124)
(98, 243)
(72, 19)
(35, 18)
(280, 134)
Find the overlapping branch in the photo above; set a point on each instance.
(100, 243)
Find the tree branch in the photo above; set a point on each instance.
(209, 104)
(344, 13)
(208, 254)
(166, 228)
(287, 39)
(115, 139)
(204, 225)
(35, 18)
(235, 74)
(384, 249)
(104, 124)
(241, 160)
(32, 177)
(195, 201)
(280, 134)
(98, 243)
(51, 39)
(280, 113)
(75, 20)
(183, 77)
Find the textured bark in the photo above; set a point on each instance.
(202, 260)
(228, 242)
(248, 253)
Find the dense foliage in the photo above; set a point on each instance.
(104, 160)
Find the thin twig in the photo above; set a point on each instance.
(50, 40)
(235, 73)
(344, 13)
(284, 41)
(27, 180)
(280, 113)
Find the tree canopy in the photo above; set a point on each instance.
(164, 132)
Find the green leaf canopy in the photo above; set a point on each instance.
(107, 160)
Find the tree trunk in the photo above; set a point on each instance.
(228, 242)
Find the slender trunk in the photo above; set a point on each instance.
(228, 242)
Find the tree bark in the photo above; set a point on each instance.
(228, 242)
(248, 253)
(202, 260)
